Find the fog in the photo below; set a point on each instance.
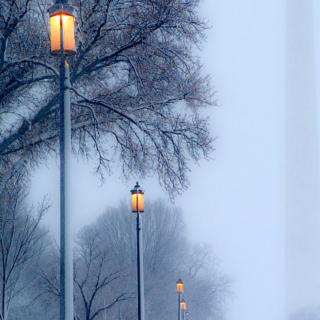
(238, 201)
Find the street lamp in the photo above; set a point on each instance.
(62, 44)
(137, 206)
(183, 307)
(62, 21)
(179, 287)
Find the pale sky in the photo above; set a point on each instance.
(236, 202)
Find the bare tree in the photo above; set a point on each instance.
(22, 241)
(168, 255)
(96, 278)
(137, 86)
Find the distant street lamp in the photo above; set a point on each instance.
(62, 44)
(179, 287)
(183, 308)
(183, 304)
(137, 198)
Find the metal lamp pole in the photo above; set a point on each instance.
(66, 265)
(138, 208)
(140, 269)
(61, 27)
(179, 306)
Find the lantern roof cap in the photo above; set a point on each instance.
(180, 281)
(62, 7)
(136, 188)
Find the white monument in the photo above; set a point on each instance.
(302, 161)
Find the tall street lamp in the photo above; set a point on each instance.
(183, 308)
(137, 197)
(62, 43)
(179, 287)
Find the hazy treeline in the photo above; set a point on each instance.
(104, 264)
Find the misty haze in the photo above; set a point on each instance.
(159, 159)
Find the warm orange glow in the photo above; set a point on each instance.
(55, 33)
(68, 33)
(137, 201)
(67, 22)
(179, 286)
(183, 305)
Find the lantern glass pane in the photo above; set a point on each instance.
(68, 33)
(55, 33)
(137, 202)
(134, 203)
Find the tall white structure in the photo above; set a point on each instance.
(302, 161)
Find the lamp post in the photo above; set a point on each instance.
(138, 208)
(183, 308)
(179, 287)
(62, 44)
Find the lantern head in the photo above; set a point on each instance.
(137, 197)
(183, 305)
(179, 286)
(62, 29)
